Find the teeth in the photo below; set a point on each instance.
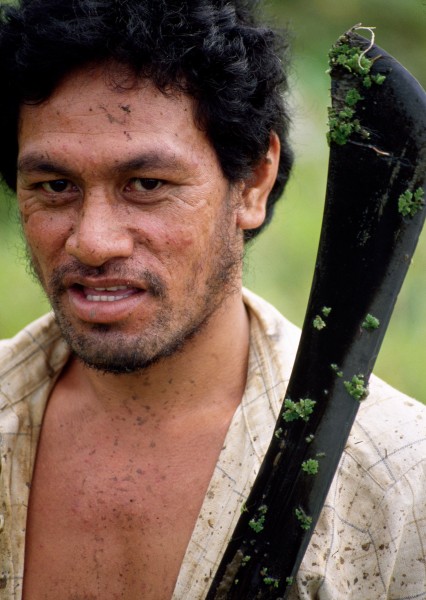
(111, 289)
(93, 298)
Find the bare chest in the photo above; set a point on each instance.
(112, 519)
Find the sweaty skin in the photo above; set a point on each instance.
(137, 238)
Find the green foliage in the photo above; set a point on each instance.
(353, 59)
(370, 322)
(268, 580)
(298, 410)
(273, 581)
(409, 203)
(353, 97)
(257, 524)
(342, 122)
(342, 125)
(319, 323)
(350, 58)
(303, 518)
(336, 369)
(356, 387)
(278, 433)
(377, 79)
(310, 466)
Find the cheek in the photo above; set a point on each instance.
(178, 252)
(181, 240)
(45, 234)
(171, 237)
(183, 252)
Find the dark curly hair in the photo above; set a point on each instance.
(214, 50)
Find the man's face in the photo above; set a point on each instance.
(131, 226)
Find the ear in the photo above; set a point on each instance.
(255, 191)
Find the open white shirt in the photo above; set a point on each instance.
(370, 541)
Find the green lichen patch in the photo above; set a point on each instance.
(370, 323)
(309, 438)
(336, 369)
(310, 466)
(342, 125)
(278, 433)
(245, 560)
(272, 581)
(319, 323)
(369, 80)
(350, 58)
(289, 580)
(268, 580)
(342, 120)
(354, 60)
(304, 519)
(356, 387)
(353, 97)
(257, 524)
(298, 410)
(409, 203)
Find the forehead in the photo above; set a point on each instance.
(111, 112)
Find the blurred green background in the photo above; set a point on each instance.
(279, 265)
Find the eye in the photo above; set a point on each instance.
(56, 186)
(142, 184)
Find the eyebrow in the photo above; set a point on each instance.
(34, 163)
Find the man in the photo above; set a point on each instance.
(146, 140)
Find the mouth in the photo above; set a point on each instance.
(107, 303)
(107, 294)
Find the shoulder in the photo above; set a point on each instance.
(35, 355)
(29, 365)
(373, 524)
(389, 435)
(383, 467)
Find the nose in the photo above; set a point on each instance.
(99, 234)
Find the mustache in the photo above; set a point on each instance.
(155, 284)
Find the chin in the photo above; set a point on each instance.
(110, 351)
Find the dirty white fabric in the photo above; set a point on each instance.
(370, 541)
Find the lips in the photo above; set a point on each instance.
(107, 302)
